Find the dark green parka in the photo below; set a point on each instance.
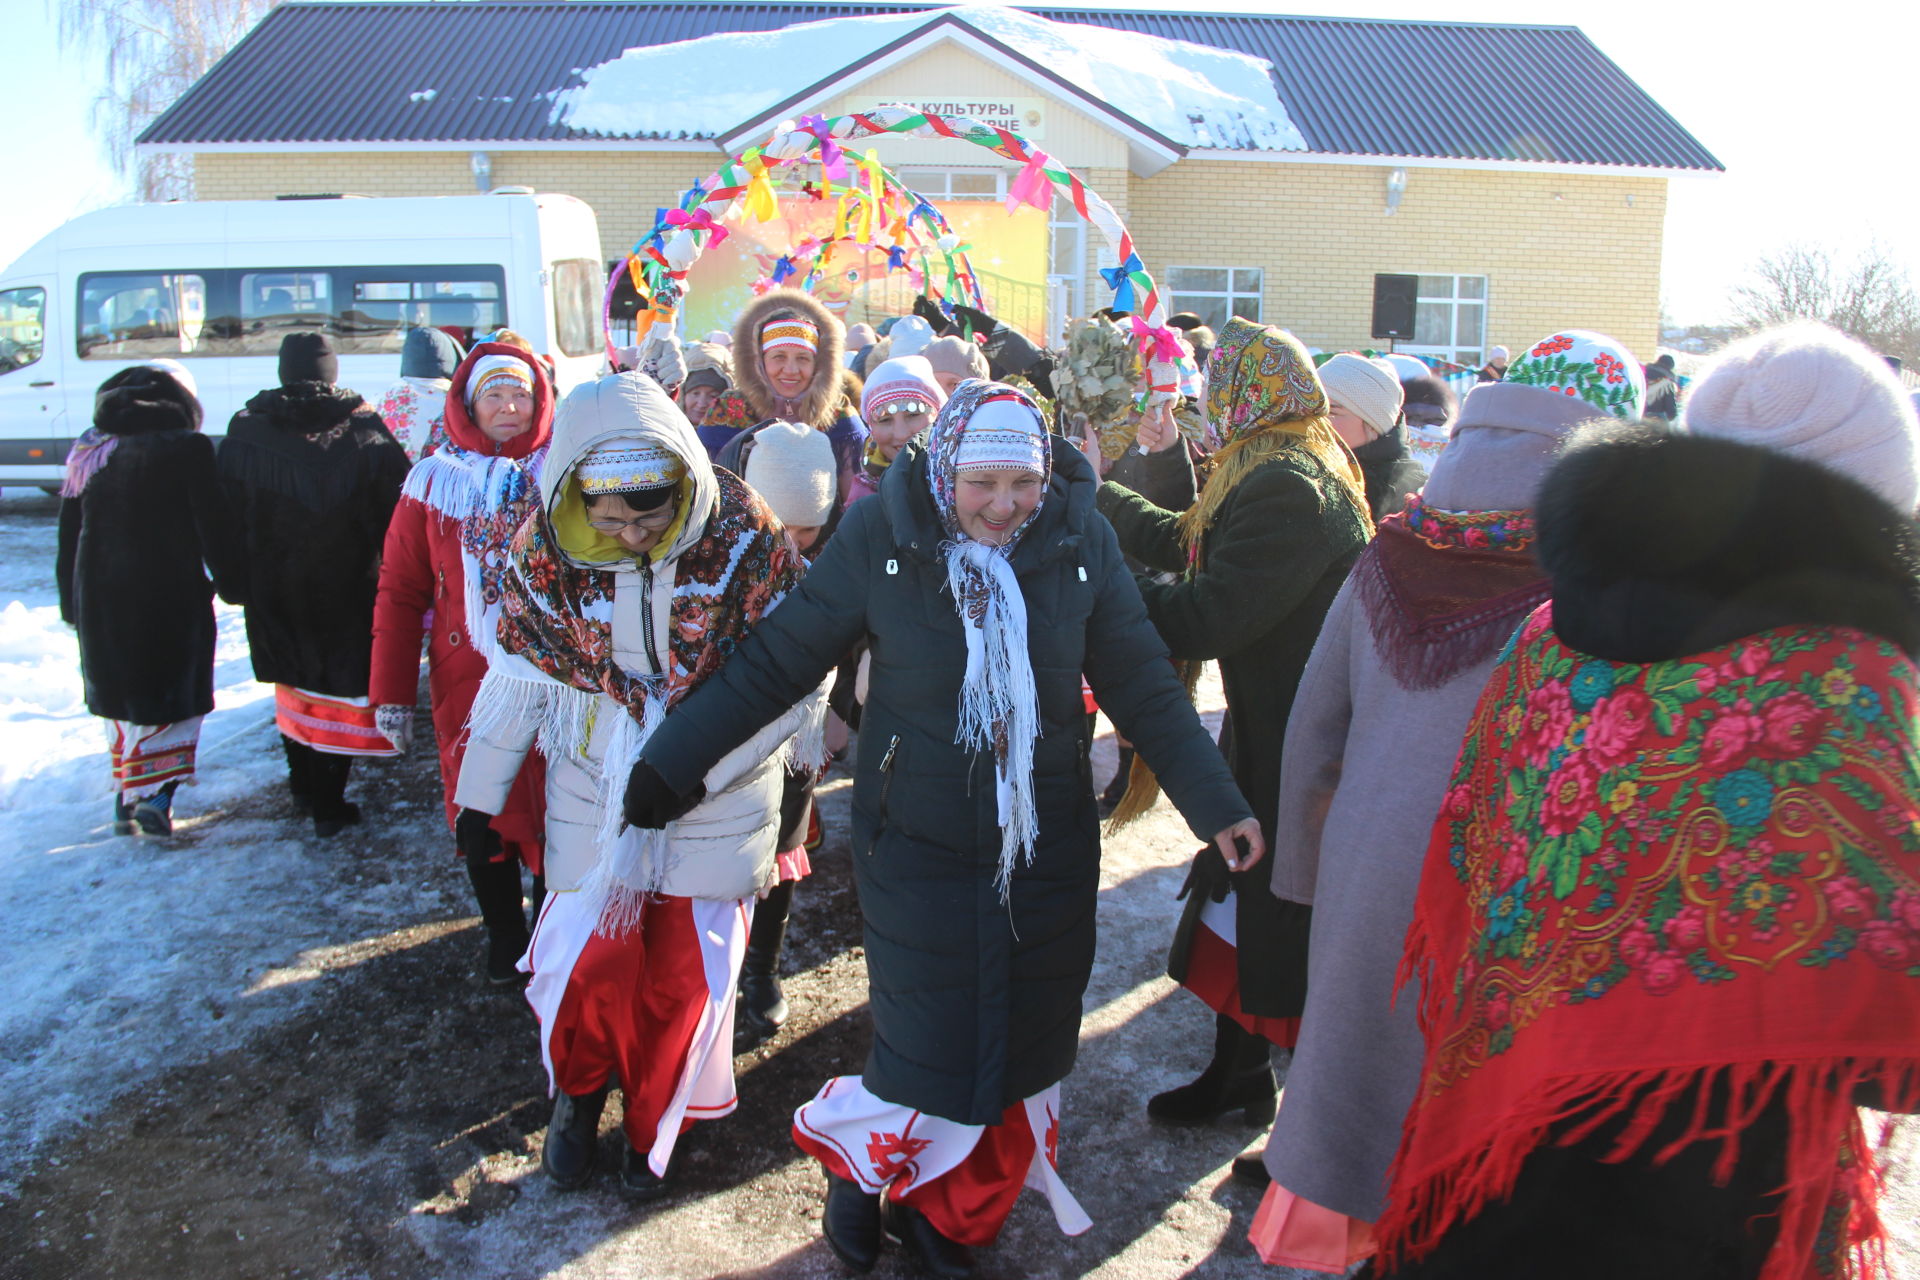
(1274, 557)
(976, 1002)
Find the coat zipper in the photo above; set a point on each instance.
(886, 786)
(646, 616)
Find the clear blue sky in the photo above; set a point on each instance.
(1814, 119)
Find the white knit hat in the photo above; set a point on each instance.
(791, 466)
(908, 336)
(1810, 391)
(1370, 388)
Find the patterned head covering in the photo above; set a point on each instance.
(1264, 397)
(498, 369)
(1001, 413)
(627, 464)
(790, 331)
(1589, 365)
(898, 383)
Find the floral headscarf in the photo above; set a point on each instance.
(1591, 366)
(1264, 397)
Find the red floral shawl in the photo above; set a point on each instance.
(1649, 877)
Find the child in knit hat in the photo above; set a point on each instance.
(899, 402)
(791, 466)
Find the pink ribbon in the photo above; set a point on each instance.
(699, 220)
(1031, 185)
(1162, 344)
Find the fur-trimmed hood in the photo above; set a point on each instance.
(1662, 545)
(822, 403)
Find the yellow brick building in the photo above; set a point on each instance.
(1531, 199)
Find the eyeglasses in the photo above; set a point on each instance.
(652, 520)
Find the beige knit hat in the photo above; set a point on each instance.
(956, 356)
(791, 466)
(1369, 388)
(1813, 392)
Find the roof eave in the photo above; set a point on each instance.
(1386, 161)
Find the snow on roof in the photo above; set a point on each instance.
(1196, 95)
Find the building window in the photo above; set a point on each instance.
(1216, 294)
(956, 184)
(1450, 319)
(1066, 266)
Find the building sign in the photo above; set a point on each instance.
(1024, 116)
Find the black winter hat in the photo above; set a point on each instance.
(429, 353)
(142, 399)
(307, 357)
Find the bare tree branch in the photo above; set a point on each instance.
(152, 51)
(1871, 299)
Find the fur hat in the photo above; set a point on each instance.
(1591, 366)
(307, 357)
(792, 467)
(144, 398)
(955, 356)
(1368, 388)
(1810, 391)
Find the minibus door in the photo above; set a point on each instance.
(33, 419)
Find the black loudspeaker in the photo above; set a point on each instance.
(1393, 305)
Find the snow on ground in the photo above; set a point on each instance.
(91, 975)
(1196, 95)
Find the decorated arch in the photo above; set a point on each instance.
(877, 211)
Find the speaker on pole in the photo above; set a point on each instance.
(1394, 299)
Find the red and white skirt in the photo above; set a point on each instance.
(145, 756)
(963, 1177)
(650, 1011)
(1213, 974)
(337, 726)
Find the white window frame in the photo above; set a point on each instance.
(1233, 295)
(1476, 344)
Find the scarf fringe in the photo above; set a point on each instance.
(507, 702)
(1421, 657)
(1241, 457)
(634, 861)
(1830, 1164)
(1143, 789)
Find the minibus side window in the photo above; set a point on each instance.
(23, 317)
(380, 304)
(142, 315)
(277, 302)
(577, 284)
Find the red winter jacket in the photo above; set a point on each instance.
(422, 582)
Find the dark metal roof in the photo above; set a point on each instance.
(344, 72)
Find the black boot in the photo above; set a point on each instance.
(1117, 787)
(327, 774)
(496, 887)
(1239, 1078)
(1251, 1169)
(937, 1255)
(154, 813)
(763, 1005)
(536, 897)
(573, 1138)
(851, 1223)
(638, 1179)
(123, 823)
(299, 774)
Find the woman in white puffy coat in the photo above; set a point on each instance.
(642, 570)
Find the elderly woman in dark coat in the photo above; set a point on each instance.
(985, 583)
(141, 520)
(1261, 554)
(313, 476)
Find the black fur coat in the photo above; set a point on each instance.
(312, 475)
(1662, 545)
(134, 548)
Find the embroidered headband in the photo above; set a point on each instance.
(1004, 433)
(628, 465)
(791, 331)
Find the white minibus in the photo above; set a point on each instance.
(217, 284)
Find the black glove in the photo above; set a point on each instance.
(652, 803)
(474, 836)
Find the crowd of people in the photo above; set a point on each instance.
(1559, 854)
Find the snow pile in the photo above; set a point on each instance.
(1196, 95)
